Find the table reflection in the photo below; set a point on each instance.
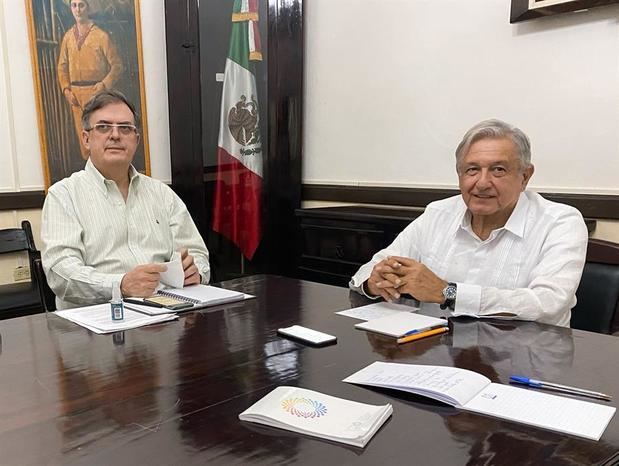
(226, 355)
(105, 384)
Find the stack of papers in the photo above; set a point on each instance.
(98, 318)
(471, 391)
(376, 310)
(313, 413)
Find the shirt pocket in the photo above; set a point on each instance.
(157, 234)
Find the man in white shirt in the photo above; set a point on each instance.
(108, 223)
(495, 249)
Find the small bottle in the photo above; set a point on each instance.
(118, 311)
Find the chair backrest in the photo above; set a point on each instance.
(14, 240)
(46, 295)
(23, 298)
(48, 299)
(598, 293)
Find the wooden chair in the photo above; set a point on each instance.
(46, 295)
(24, 298)
(598, 293)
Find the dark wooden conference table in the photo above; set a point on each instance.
(171, 393)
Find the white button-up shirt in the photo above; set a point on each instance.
(529, 269)
(91, 237)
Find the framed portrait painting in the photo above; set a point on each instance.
(523, 10)
(78, 48)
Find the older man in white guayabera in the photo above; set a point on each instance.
(495, 250)
(110, 224)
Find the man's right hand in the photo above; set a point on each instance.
(142, 281)
(383, 281)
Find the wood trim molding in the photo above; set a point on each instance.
(22, 200)
(184, 97)
(590, 205)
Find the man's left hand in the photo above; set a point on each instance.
(192, 276)
(417, 280)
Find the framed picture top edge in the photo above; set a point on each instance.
(524, 10)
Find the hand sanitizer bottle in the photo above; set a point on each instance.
(118, 311)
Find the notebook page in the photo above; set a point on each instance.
(205, 294)
(447, 384)
(536, 408)
(401, 323)
(376, 310)
(174, 276)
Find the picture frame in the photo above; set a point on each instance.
(523, 10)
(76, 51)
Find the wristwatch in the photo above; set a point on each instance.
(450, 292)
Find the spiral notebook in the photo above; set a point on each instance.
(202, 295)
(197, 296)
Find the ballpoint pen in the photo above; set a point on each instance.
(558, 387)
(419, 335)
(142, 302)
(421, 330)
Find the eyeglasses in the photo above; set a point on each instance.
(106, 128)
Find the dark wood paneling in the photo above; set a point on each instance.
(603, 252)
(336, 241)
(183, 57)
(192, 170)
(282, 176)
(22, 200)
(590, 205)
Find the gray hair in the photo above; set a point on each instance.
(496, 129)
(104, 98)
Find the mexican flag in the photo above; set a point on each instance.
(237, 202)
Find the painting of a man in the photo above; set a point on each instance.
(79, 48)
(88, 61)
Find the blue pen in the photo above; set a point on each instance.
(427, 329)
(558, 387)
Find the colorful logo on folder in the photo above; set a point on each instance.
(304, 407)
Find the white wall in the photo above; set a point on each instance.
(392, 85)
(20, 152)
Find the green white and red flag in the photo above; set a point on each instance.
(238, 190)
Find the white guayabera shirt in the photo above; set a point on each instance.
(529, 269)
(91, 237)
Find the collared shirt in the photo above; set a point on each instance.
(529, 269)
(91, 237)
(94, 60)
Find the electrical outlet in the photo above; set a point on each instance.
(21, 273)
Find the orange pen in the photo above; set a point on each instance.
(417, 336)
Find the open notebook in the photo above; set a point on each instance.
(471, 391)
(198, 296)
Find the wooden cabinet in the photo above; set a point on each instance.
(336, 241)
